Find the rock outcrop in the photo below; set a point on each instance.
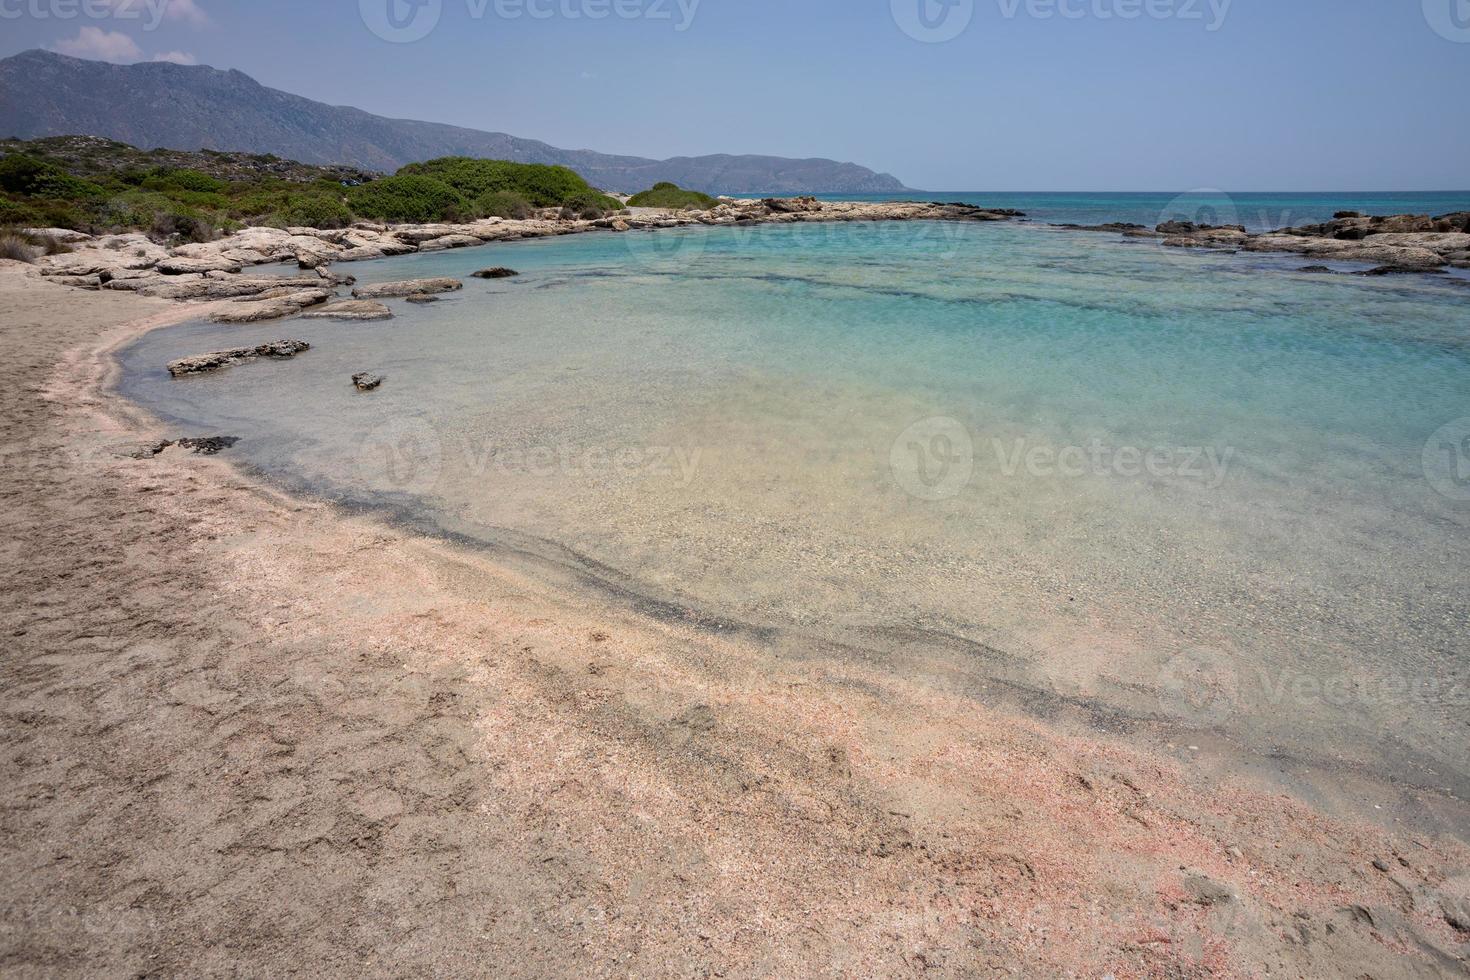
(217, 360)
(499, 272)
(284, 303)
(407, 287)
(350, 309)
(366, 381)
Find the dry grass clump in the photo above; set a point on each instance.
(16, 246)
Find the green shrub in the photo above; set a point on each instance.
(316, 211)
(27, 176)
(408, 197)
(19, 173)
(15, 213)
(188, 225)
(542, 185)
(667, 195)
(184, 179)
(504, 204)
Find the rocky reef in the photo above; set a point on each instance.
(1393, 243)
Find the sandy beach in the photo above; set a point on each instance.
(245, 733)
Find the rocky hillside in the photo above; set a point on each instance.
(95, 156)
(198, 107)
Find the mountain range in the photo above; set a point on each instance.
(193, 107)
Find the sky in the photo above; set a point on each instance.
(1101, 95)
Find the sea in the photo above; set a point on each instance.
(1199, 498)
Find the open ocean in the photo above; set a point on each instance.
(1257, 211)
(1187, 488)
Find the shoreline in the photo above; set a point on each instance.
(667, 710)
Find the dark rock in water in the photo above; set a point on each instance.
(203, 446)
(499, 272)
(1316, 268)
(1347, 214)
(1121, 226)
(366, 382)
(423, 300)
(215, 360)
(208, 445)
(1400, 270)
(1177, 228)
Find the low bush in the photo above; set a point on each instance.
(667, 195)
(408, 197)
(541, 185)
(184, 179)
(186, 225)
(504, 204)
(16, 213)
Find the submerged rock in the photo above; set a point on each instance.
(1401, 270)
(423, 300)
(366, 381)
(407, 287)
(350, 309)
(499, 272)
(216, 360)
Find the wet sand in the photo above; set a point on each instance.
(249, 734)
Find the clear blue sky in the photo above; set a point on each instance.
(1284, 95)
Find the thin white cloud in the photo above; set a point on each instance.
(176, 57)
(99, 45)
(186, 10)
(154, 12)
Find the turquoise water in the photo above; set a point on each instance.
(1190, 488)
(1257, 211)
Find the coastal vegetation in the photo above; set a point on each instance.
(95, 185)
(667, 195)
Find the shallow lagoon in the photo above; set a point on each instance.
(1191, 489)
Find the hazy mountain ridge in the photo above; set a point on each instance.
(198, 107)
